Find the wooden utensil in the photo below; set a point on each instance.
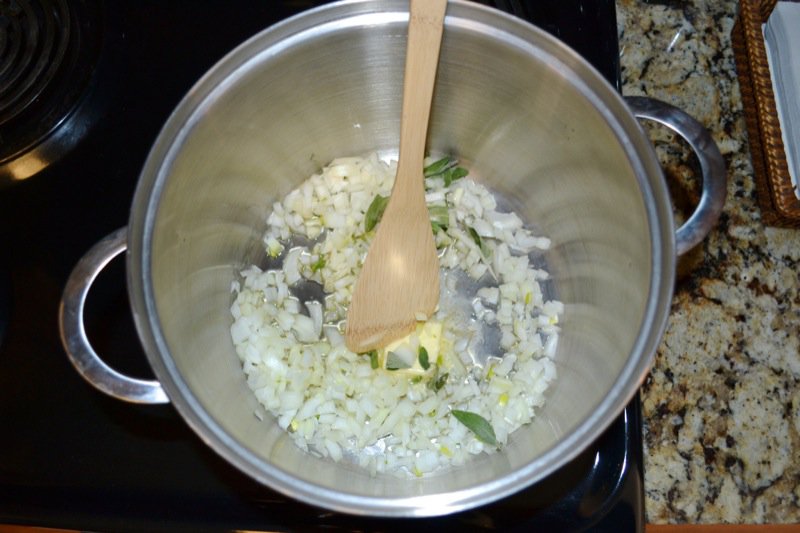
(399, 282)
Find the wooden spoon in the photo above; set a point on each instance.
(400, 279)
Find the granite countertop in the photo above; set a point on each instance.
(722, 403)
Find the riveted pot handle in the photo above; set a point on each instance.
(73, 333)
(712, 166)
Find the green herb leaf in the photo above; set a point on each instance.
(375, 212)
(474, 235)
(437, 167)
(446, 169)
(423, 358)
(478, 425)
(416, 379)
(373, 358)
(452, 174)
(395, 362)
(440, 382)
(477, 238)
(439, 215)
(318, 265)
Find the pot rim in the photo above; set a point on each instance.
(531, 40)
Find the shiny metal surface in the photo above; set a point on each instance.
(712, 167)
(530, 119)
(73, 334)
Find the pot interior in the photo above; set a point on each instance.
(526, 115)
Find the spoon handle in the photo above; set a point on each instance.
(426, 21)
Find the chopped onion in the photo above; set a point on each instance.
(315, 311)
(333, 402)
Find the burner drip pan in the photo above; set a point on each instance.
(48, 49)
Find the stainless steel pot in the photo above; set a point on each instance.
(524, 112)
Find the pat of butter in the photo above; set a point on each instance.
(427, 335)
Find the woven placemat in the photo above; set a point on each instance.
(776, 197)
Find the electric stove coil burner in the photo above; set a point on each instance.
(33, 48)
(47, 52)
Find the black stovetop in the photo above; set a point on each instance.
(70, 457)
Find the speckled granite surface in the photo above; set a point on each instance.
(722, 404)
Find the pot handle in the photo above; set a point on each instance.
(73, 334)
(712, 166)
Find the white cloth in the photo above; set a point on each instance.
(782, 39)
